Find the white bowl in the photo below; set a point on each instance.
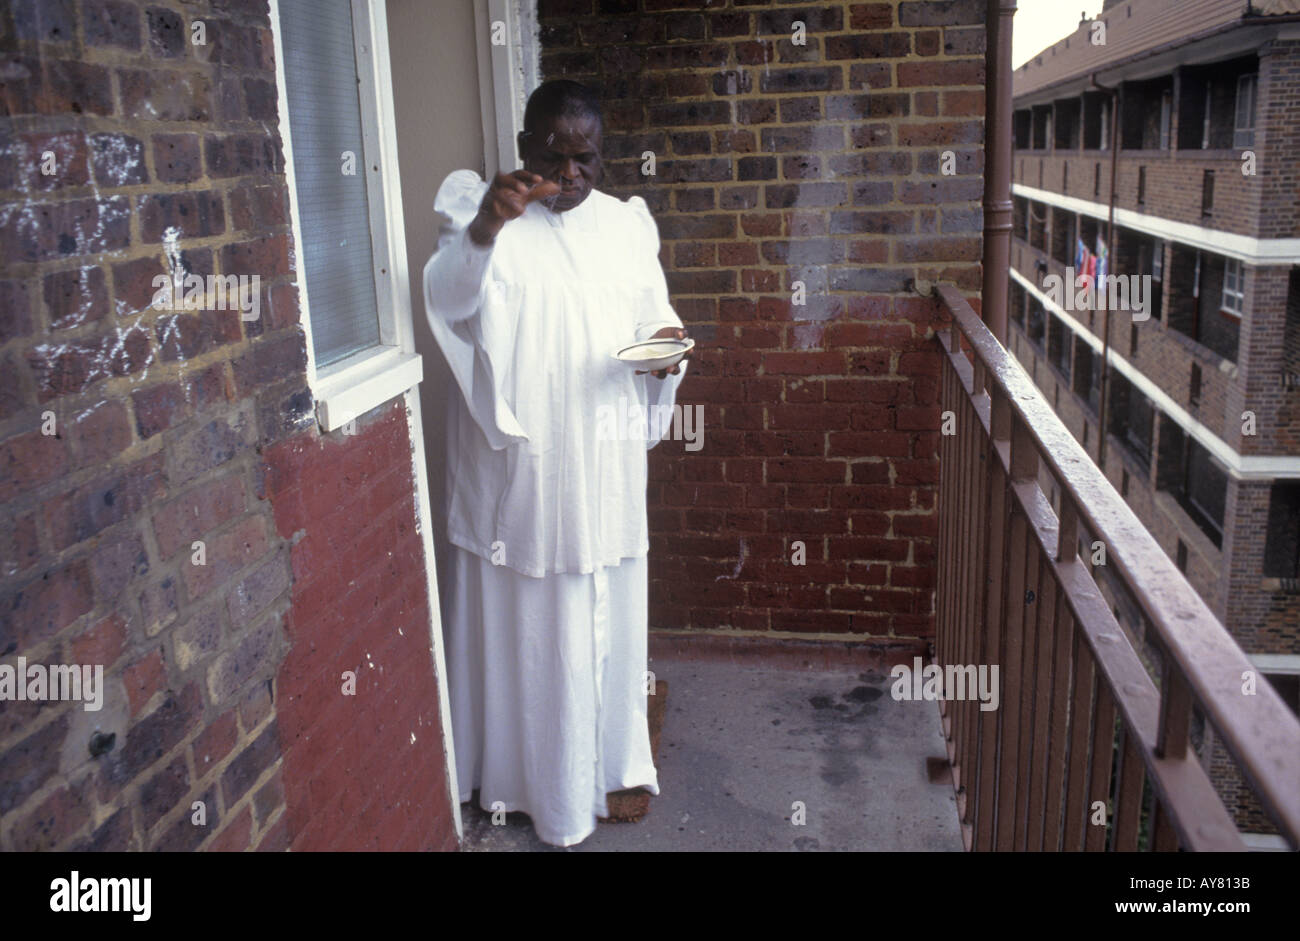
(654, 355)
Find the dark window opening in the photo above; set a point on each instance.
(1132, 419)
(1195, 479)
(1064, 236)
(1060, 345)
(1142, 186)
(1180, 557)
(1141, 113)
(1087, 375)
(1207, 193)
(1021, 125)
(1037, 322)
(1282, 545)
(1038, 225)
(1069, 132)
(1217, 105)
(1096, 121)
(1194, 387)
(1197, 283)
(1042, 131)
(1020, 217)
(1016, 303)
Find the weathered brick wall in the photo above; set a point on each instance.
(1278, 137)
(779, 163)
(175, 428)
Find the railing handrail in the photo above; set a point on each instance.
(1259, 730)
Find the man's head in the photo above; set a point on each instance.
(561, 139)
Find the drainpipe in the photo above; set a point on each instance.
(997, 167)
(1111, 254)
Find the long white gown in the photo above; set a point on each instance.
(544, 600)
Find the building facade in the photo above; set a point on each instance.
(1159, 154)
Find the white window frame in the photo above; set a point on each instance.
(1234, 287)
(1243, 135)
(366, 379)
(1205, 119)
(1166, 118)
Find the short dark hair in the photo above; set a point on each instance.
(561, 97)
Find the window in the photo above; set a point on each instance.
(1243, 134)
(1282, 546)
(1096, 180)
(1036, 325)
(1194, 387)
(1133, 341)
(1288, 687)
(1132, 419)
(1205, 121)
(1205, 490)
(1207, 193)
(1087, 375)
(1234, 287)
(1142, 186)
(1060, 345)
(1016, 303)
(1166, 118)
(341, 158)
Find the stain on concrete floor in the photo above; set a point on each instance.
(763, 759)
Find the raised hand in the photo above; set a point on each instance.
(506, 199)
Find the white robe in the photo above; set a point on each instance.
(545, 604)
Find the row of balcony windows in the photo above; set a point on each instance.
(1209, 107)
(1203, 298)
(1183, 467)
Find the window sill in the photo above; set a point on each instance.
(355, 385)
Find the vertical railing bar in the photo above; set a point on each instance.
(1048, 613)
(1013, 604)
(1060, 725)
(971, 652)
(1175, 710)
(970, 585)
(1081, 716)
(1130, 777)
(1028, 669)
(1103, 743)
(992, 637)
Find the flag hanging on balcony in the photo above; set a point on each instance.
(1082, 262)
(1102, 262)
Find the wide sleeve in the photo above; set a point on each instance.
(654, 315)
(476, 346)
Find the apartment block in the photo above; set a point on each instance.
(1155, 291)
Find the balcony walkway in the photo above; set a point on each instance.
(742, 742)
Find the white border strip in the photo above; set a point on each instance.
(1242, 467)
(1243, 248)
(1276, 662)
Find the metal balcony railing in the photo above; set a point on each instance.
(1083, 730)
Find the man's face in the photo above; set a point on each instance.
(565, 150)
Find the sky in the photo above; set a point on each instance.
(1039, 23)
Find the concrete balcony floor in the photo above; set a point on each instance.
(743, 741)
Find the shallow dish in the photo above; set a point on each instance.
(654, 355)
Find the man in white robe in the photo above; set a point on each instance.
(537, 280)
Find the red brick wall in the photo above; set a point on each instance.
(359, 604)
(777, 163)
(180, 426)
